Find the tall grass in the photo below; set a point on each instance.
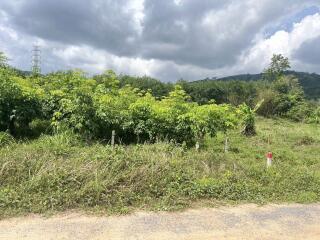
(60, 172)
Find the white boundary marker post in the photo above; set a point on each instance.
(113, 137)
(197, 146)
(226, 147)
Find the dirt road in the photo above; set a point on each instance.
(242, 222)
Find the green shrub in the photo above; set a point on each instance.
(299, 112)
(19, 102)
(314, 116)
(284, 98)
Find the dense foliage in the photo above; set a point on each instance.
(143, 109)
(93, 107)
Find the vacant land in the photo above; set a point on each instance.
(293, 222)
(61, 172)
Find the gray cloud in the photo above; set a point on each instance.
(100, 23)
(168, 39)
(309, 52)
(215, 32)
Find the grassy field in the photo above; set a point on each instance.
(57, 173)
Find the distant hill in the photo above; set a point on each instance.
(309, 81)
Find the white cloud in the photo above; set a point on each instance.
(95, 61)
(136, 8)
(281, 42)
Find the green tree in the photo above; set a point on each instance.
(279, 64)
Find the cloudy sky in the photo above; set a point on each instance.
(165, 39)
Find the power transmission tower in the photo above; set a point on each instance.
(36, 60)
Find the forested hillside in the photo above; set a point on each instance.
(310, 82)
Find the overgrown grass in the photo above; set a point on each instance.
(57, 173)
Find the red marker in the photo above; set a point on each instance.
(269, 159)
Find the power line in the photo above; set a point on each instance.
(36, 60)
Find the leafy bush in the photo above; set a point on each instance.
(314, 116)
(284, 98)
(19, 102)
(300, 112)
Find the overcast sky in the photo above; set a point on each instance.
(165, 39)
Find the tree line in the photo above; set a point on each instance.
(143, 109)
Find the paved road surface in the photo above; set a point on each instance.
(247, 222)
